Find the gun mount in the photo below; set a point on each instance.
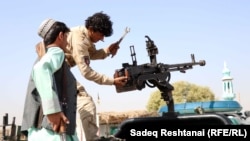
(152, 74)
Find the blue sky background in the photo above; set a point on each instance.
(217, 31)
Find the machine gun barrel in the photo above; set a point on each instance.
(182, 67)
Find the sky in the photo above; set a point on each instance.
(216, 31)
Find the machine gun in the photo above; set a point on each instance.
(152, 74)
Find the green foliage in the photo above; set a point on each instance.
(183, 92)
(154, 100)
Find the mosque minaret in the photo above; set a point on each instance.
(227, 84)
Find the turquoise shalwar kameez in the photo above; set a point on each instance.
(42, 75)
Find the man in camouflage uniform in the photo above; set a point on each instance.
(81, 48)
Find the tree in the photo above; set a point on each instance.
(183, 92)
(155, 101)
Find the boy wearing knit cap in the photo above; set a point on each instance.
(50, 105)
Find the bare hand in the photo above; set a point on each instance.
(113, 48)
(120, 81)
(57, 121)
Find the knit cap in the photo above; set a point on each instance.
(45, 27)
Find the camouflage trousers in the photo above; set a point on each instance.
(86, 125)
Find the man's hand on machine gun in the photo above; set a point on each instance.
(120, 81)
